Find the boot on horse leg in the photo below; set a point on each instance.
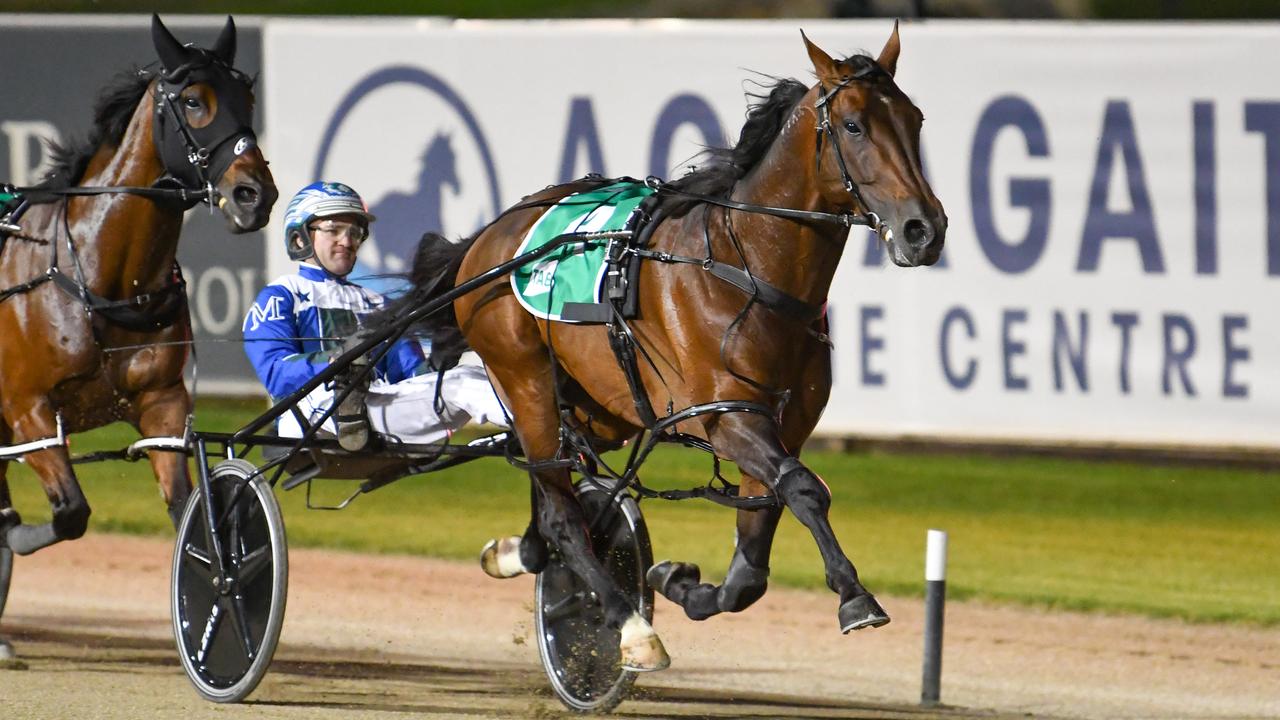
(564, 523)
(748, 575)
(514, 555)
(810, 500)
(70, 508)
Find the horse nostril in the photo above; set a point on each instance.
(916, 232)
(246, 196)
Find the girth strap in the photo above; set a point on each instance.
(146, 312)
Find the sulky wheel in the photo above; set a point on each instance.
(227, 617)
(579, 652)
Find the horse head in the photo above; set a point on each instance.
(440, 164)
(203, 127)
(868, 157)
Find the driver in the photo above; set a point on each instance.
(299, 322)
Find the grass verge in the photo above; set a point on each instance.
(1192, 543)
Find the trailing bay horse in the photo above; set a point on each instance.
(93, 311)
(778, 207)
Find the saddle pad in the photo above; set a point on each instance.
(574, 273)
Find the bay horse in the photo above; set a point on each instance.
(777, 207)
(92, 305)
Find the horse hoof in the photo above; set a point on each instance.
(641, 649)
(501, 558)
(862, 612)
(661, 576)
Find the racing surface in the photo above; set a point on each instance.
(392, 637)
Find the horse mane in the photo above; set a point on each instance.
(112, 112)
(767, 113)
(434, 272)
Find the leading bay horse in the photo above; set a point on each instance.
(777, 207)
(93, 311)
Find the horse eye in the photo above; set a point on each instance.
(853, 128)
(191, 103)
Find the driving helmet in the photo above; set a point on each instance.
(318, 200)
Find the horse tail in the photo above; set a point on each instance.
(434, 273)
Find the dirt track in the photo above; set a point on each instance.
(382, 637)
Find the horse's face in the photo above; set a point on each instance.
(876, 131)
(204, 106)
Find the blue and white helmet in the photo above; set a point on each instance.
(317, 200)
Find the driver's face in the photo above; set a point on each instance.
(336, 240)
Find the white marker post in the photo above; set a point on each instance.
(935, 596)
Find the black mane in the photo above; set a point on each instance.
(111, 115)
(722, 167)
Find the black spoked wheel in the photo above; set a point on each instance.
(227, 616)
(579, 652)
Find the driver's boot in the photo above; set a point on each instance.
(351, 417)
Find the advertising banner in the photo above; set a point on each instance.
(1112, 266)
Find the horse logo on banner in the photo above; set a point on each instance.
(415, 149)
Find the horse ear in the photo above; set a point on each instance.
(225, 46)
(172, 54)
(822, 62)
(889, 55)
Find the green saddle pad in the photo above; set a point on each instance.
(575, 272)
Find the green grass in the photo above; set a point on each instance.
(1195, 543)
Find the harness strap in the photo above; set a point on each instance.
(772, 297)
(17, 451)
(27, 286)
(845, 219)
(130, 313)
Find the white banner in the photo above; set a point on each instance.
(1112, 269)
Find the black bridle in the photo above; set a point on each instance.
(824, 129)
(864, 216)
(196, 158)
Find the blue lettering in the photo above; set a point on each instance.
(1126, 322)
(1264, 117)
(682, 109)
(871, 344)
(1012, 347)
(1206, 184)
(1101, 223)
(962, 381)
(582, 131)
(1232, 354)
(1030, 193)
(1075, 355)
(1177, 354)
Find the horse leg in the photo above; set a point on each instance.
(517, 554)
(560, 517)
(53, 466)
(748, 575)
(8, 516)
(752, 442)
(163, 413)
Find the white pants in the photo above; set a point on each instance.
(405, 411)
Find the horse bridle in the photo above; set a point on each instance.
(196, 158)
(864, 216)
(824, 129)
